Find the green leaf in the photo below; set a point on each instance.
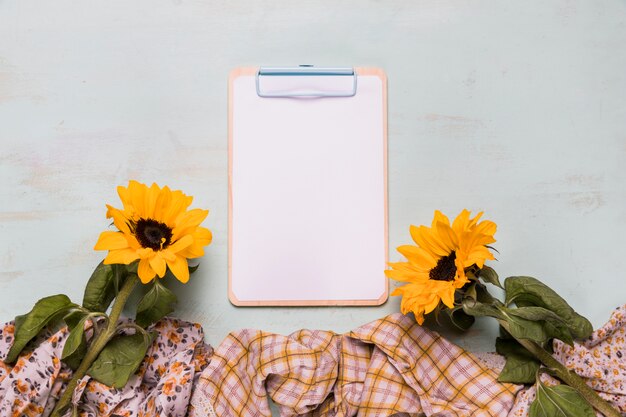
(132, 267)
(470, 291)
(73, 318)
(76, 345)
(535, 314)
(75, 338)
(45, 311)
(521, 366)
(100, 289)
(460, 319)
(519, 327)
(193, 269)
(156, 304)
(483, 295)
(523, 328)
(519, 370)
(19, 321)
(478, 309)
(122, 272)
(436, 313)
(119, 360)
(75, 359)
(560, 331)
(559, 401)
(529, 291)
(553, 325)
(488, 274)
(506, 346)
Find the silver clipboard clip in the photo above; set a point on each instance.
(308, 71)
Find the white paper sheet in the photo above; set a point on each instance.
(308, 196)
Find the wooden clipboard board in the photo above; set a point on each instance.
(307, 161)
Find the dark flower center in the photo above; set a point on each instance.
(445, 270)
(153, 234)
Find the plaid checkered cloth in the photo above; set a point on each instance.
(391, 366)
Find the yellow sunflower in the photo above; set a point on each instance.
(436, 264)
(156, 228)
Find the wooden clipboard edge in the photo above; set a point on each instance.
(248, 71)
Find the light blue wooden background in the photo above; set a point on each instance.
(514, 108)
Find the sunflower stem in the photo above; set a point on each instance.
(100, 341)
(138, 330)
(569, 377)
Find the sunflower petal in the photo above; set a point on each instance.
(124, 196)
(157, 263)
(121, 256)
(432, 241)
(145, 272)
(404, 276)
(447, 236)
(474, 221)
(181, 244)
(421, 236)
(180, 269)
(418, 273)
(486, 227)
(397, 291)
(187, 221)
(440, 218)
(461, 279)
(417, 256)
(178, 204)
(415, 234)
(168, 255)
(202, 236)
(163, 201)
(478, 256)
(191, 252)
(151, 196)
(402, 266)
(432, 303)
(119, 219)
(447, 297)
(137, 194)
(460, 223)
(191, 218)
(111, 241)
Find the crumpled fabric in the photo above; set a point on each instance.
(600, 360)
(161, 387)
(387, 367)
(391, 366)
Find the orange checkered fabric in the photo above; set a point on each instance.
(388, 367)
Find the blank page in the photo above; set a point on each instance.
(308, 204)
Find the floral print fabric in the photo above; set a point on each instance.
(161, 387)
(599, 359)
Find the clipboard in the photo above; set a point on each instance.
(307, 221)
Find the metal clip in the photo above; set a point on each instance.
(309, 71)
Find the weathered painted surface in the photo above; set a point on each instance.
(515, 108)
